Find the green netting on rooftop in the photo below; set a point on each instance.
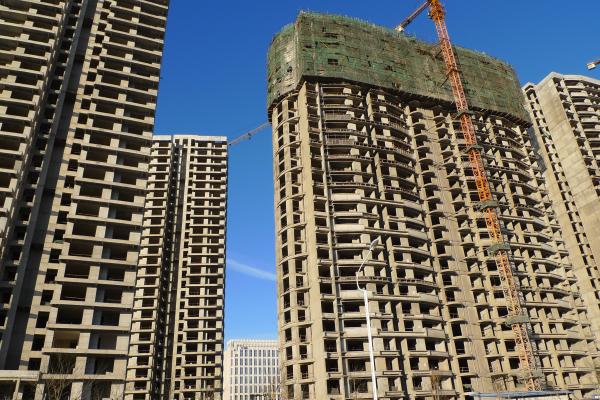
(330, 46)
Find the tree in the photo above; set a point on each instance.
(60, 377)
(357, 385)
(272, 391)
(62, 373)
(436, 384)
(214, 395)
(100, 395)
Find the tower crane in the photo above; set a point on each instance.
(517, 315)
(248, 135)
(411, 17)
(593, 64)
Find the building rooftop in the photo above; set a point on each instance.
(252, 342)
(336, 47)
(190, 136)
(553, 75)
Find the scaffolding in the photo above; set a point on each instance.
(329, 46)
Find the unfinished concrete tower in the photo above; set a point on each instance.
(565, 110)
(78, 87)
(176, 350)
(366, 145)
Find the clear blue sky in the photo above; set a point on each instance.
(213, 82)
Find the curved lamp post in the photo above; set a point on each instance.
(368, 318)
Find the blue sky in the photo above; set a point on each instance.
(213, 82)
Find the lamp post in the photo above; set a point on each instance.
(368, 318)
(593, 64)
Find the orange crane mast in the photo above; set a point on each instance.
(517, 315)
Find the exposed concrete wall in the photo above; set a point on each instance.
(566, 116)
(356, 162)
(176, 350)
(77, 108)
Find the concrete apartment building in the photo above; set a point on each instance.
(176, 350)
(251, 370)
(78, 89)
(366, 146)
(565, 110)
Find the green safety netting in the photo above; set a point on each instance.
(331, 46)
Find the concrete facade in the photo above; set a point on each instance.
(78, 88)
(353, 162)
(251, 370)
(176, 350)
(565, 110)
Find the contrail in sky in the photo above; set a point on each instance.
(250, 270)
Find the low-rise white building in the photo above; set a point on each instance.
(251, 370)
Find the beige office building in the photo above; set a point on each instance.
(251, 370)
(366, 146)
(176, 350)
(78, 89)
(565, 110)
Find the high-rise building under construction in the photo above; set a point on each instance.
(565, 110)
(365, 146)
(176, 350)
(78, 90)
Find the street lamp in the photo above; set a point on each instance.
(593, 64)
(368, 318)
